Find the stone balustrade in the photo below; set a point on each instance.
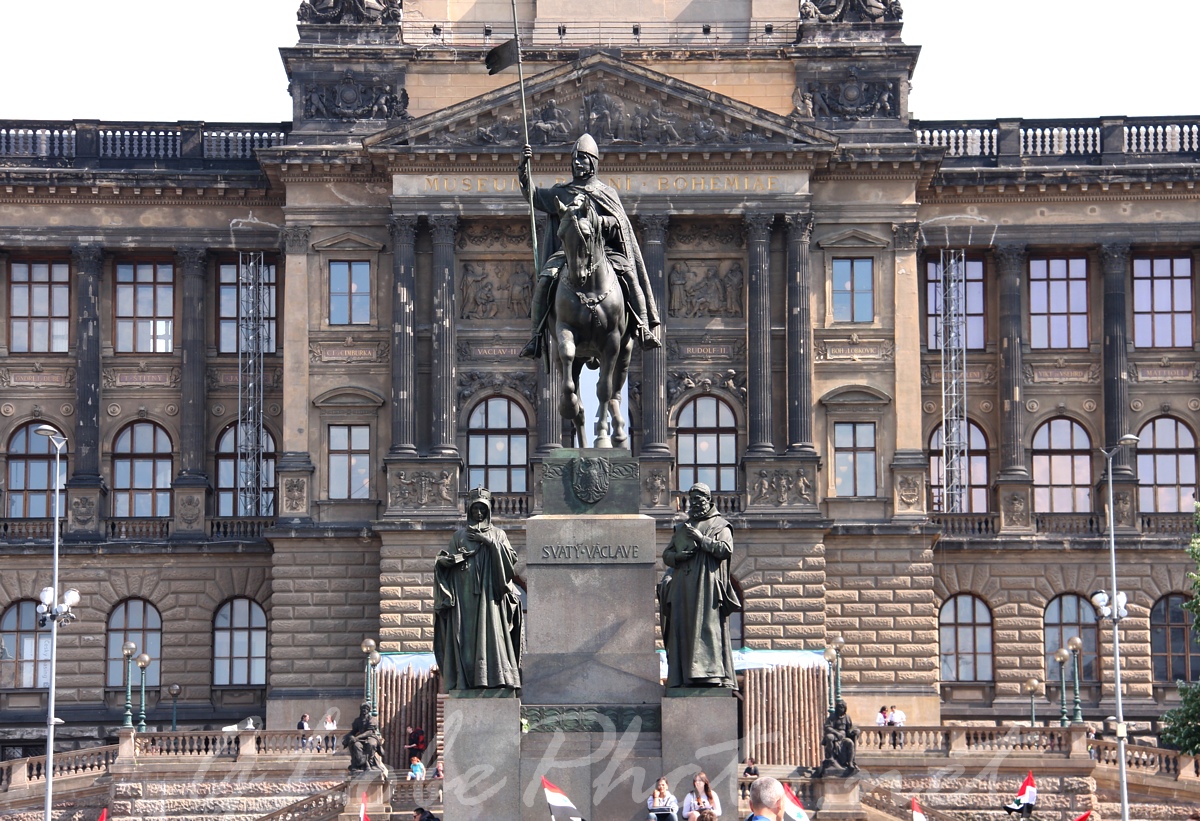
(82, 141)
(24, 772)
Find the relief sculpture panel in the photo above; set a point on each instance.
(495, 290)
(704, 288)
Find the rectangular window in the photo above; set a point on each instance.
(145, 310)
(232, 306)
(973, 305)
(853, 290)
(39, 307)
(854, 459)
(1058, 303)
(349, 293)
(349, 462)
(1162, 302)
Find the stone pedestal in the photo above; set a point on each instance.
(482, 756)
(840, 798)
(700, 734)
(371, 789)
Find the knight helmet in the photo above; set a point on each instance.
(587, 145)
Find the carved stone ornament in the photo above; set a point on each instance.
(905, 235)
(730, 381)
(656, 488)
(421, 489)
(851, 11)
(594, 718)
(908, 491)
(1016, 510)
(296, 238)
(981, 374)
(590, 478)
(706, 288)
(707, 348)
(143, 376)
(473, 382)
(348, 350)
(707, 236)
(83, 512)
(1123, 508)
(781, 488)
(1060, 372)
(295, 494)
(494, 235)
(855, 349)
(87, 258)
(496, 290)
(351, 12)
(190, 510)
(37, 377)
(1164, 371)
(854, 98)
(352, 99)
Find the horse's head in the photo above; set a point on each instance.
(579, 231)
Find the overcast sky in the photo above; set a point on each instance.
(218, 60)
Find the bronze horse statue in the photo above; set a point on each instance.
(591, 325)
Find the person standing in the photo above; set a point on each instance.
(751, 771)
(897, 719)
(766, 800)
(302, 726)
(330, 724)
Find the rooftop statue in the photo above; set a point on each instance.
(350, 12)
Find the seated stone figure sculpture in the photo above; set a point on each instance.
(365, 743)
(839, 739)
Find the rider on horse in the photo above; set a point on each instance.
(620, 244)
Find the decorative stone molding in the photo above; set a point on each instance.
(800, 226)
(476, 234)
(473, 382)
(296, 239)
(443, 227)
(855, 349)
(495, 290)
(701, 289)
(192, 259)
(497, 350)
(852, 98)
(1060, 372)
(143, 376)
(1164, 371)
(37, 377)
(906, 235)
(351, 99)
(981, 374)
(403, 228)
(351, 12)
(87, 257)
(595, 718)
(707, 348)
(654, 227)
(851, 11)
(295, 494)
(730, 381)
(349, 351)
(781, 488)
(422, 488)
(706, 235)
(216, 379)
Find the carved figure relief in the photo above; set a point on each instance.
(603, 114)
(656, 487)
(1123, 508)
(730, 380)
(295, 494)
(499, 290)
(854, 99)
(590, 478)
(551, 126)
(189, 510)
(352, 99)
(700, 289)
(802, 104)
(1016, 510)
(781, 488)
(83, 512)
(851, 11)
(351, 12)
(472, 382)
(422, 489)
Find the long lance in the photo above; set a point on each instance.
(525, 126)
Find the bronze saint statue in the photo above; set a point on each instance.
(697, 595)
(365, 743)
(477, 613)
(839, 739)
(620, 244)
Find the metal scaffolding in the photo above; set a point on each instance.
(253, 310)
(954, 381)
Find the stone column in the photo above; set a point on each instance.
(799, 335)
(404, 352)
(1012, 481)
(1115, 261)
(759, 331)
(445, 318)
(910, 465)
(654, 363)
(295, 468)
(191, 483)
(85, 491)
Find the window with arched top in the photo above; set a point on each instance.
(138, 621)
(1174, 646)
(1062, 468)
(498, 446)
(706, 445)
(31, 474)
(976, 471)
(237, 494)
(1166, 465)
(965, 639)
(240, 644)
(1067, 616)
(142, 471)
(24, 648)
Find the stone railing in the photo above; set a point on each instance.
(516, 505)
(950, 741)
(1146, 760)
(726, 503)
(26, 771)
(1168, 524)
(128, 529)
(1075, 524)
(898, 806)
(573, 34)
(191, 744)
(967, 524)
(1010, 142)
(324, 805)
(28, 530)
(287, 742)
(76, 142)
(239, 529)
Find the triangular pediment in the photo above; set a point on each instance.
(854, 396)
(623, 105)
(348, 241)
(854, 239)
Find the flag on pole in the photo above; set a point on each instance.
(362, 809)
(917, 814)
(501, 57)
(560, 805)
(792, 808)
(1026, 797)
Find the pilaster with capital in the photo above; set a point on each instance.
(799, 334)
(1114, 260)
(403, 228)
(294, 469)
(444, 228)
(85, 491)
(191, 483)
(759, 334)
(654, 362)
(1013, 486)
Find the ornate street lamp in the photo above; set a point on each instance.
(143, 661)
(368, 647)
(1115, 613)
(174, 690)
(833, 657)
(1075, 645)
(1031, 687)
(54, 611)
(373, 659)
(128, 650)
(1062, 656)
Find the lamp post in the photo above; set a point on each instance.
(1075, 645)
(368, 647)
(373, 659)
(53, 611)
(833, 656)
(1062, 655)
(128, 650)
(174, 690)
(1031, 687)
(1115, 613)
(143, 661)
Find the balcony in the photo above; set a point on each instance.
(28, 530)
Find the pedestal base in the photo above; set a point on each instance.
(700, 734)
(482, 756)
(841, 798)
(369, 789)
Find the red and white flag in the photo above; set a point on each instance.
(917, 814)
(362, 809)
(1026, 796)
(560, 805)
(104, 814)
(1084, 817)
(792, 808)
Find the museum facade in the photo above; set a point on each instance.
(281, 354)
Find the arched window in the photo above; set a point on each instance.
(142, 469)
(1067, 616)
(138, 621)
(1062, 468)
(30, 468)
(706, 440)
(965, 639)
(24, 648)
(977, 477)
(1166, 463)
(1174, 648)
(240, 644)
(497, 446)
(234, 497)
